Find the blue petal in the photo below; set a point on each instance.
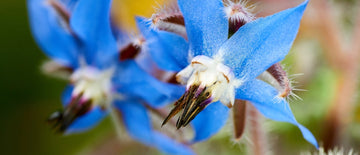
(121, 36)
(70, 4)
(206, 25)
(87, 121)
(137, 123)
(66, 95)
(145, 62)
(265, 98)
(170, 146)
(168, 50)
(259, 44)
(136, 120)
(48, 31)
(91, 22)
(131, 80)
(209, 121)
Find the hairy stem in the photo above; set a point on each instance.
(257, 134)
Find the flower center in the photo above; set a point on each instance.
(92, 88)
(211, 74)
(92, 85)
(207, 80)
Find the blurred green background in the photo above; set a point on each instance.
(28, 96)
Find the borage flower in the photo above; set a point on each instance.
(217, 69)
(80, 39)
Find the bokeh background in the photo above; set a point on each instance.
(326, 53)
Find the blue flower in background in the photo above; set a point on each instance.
(217, 70)
(78, 35)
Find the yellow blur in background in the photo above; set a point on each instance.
(125, 11)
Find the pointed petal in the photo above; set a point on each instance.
(168, 50)
(91, 22)
(50, 34)
(209, 121)
(206, 25)
(87, 121)
(136, 120)
(131, 80)
(265, 98)
(169, 146)
(259, 44)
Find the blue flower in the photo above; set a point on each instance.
(217, 69)
(79, 35)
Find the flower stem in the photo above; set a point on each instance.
(116, 119)
(257, 134)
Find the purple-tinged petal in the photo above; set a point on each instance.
(91, 23)
(261, 43)
(51, 34)
(209, 121)
(170, 146)
(136, 120)
(265, 98)
(87, 121)
(131, 80)
(168, 50)
(206, 25)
